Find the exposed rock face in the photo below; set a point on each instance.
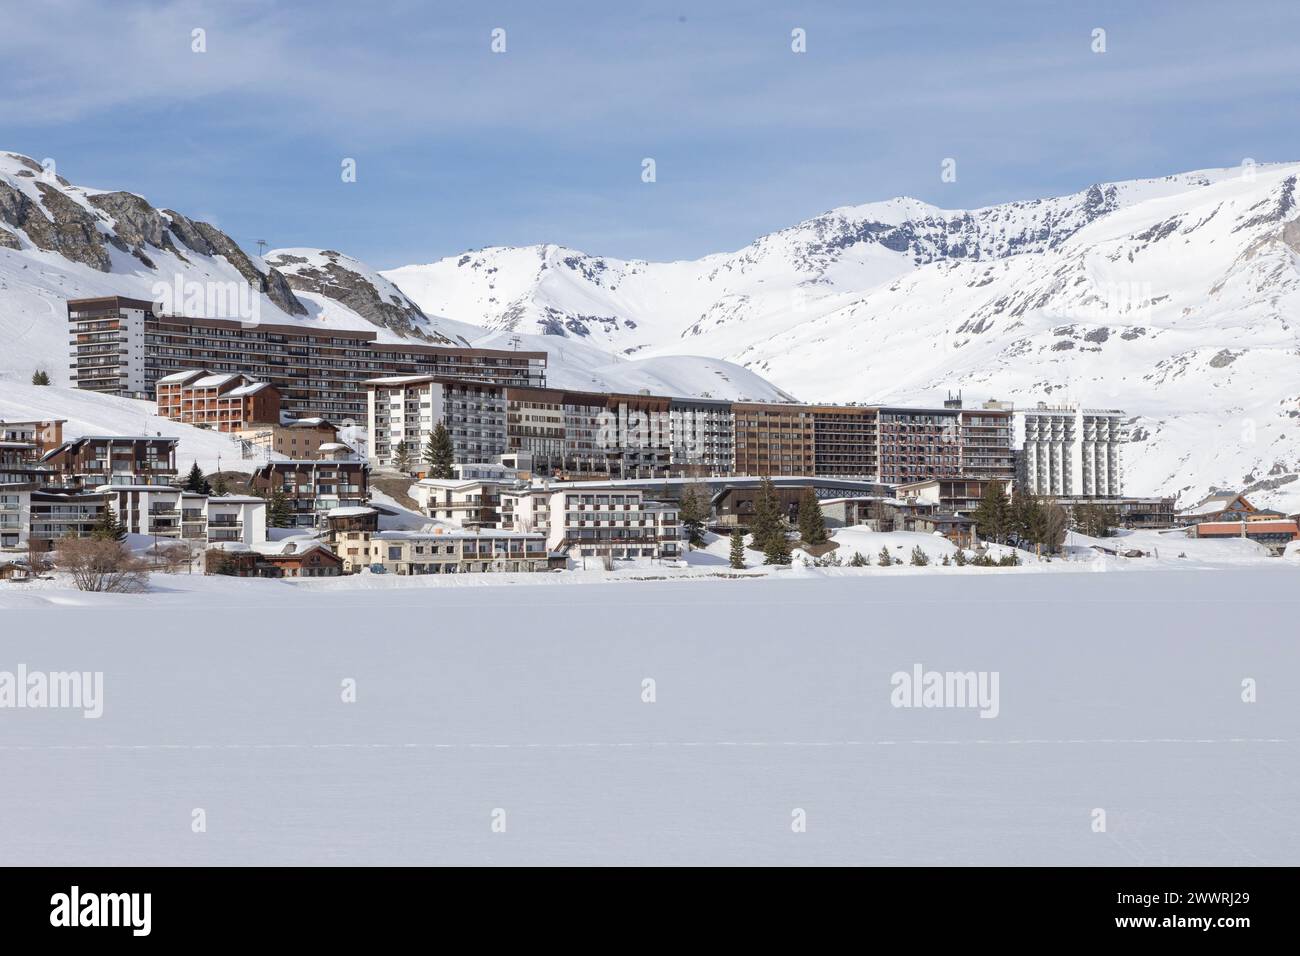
(137, 224)
(208, 240)
(63, 226)
(60, 223)
(338, 277)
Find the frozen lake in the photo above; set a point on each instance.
(1119, 692)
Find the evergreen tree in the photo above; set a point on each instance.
(946, 562)
(738, 550)
(439, 452)
(402, 457)
(1021, 516)
(777, 550)
(812, 525)
(220, 486)
(1056, 521)
(857, 561)
(41, 377)
(919, 557)
(884, 559)
(278, 512)
(959, 558)
(196, 482)
(767, 523)
(108, 527)
(694, 511)
(993, 516)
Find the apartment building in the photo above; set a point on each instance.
(844, 441)
(1073, 451)
(45, 434)
(227, 401)
(15, 516)
(106, 343)
(589, 434)
(403, 410)
(453, 551)
(773, 439)
(595, 521)
(312, 488)
(156, 509)
(959, 495)
(701, 436)
(94, 460)
(470, 502)
(303, 438)
(236, 519)
(20, 464)
(55, 515)
(124, 346)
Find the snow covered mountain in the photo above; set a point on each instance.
(1176, 299)
(60, 241)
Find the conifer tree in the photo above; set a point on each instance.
(278, 512)
(108, 527)
(196, 482)
(812, 524)
(857, 561)
(767, 523)
(738, 550)
(220, 487)
(777, 550)
(919, 557)
(694, 512)
(41, 377)
(439, 452)
(884, 559)
(992, 517)
(402, 457)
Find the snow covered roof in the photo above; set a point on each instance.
(235, 500)
(350, 512)
(251, 389)
(212, 381)
(443, 533)
(184, 376)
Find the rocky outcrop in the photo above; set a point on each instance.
(62, 226)
(136, 223)
(208, 240)
(336, 279)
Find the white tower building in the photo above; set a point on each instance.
(1071, 451)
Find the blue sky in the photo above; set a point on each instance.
(458, 147)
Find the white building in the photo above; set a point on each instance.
(163, 511)
(406, 408)
(1071, 451)
(238, 518)
(594, 522)
(451, 551)
(472, 502)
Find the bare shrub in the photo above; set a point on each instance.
(97, 565)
